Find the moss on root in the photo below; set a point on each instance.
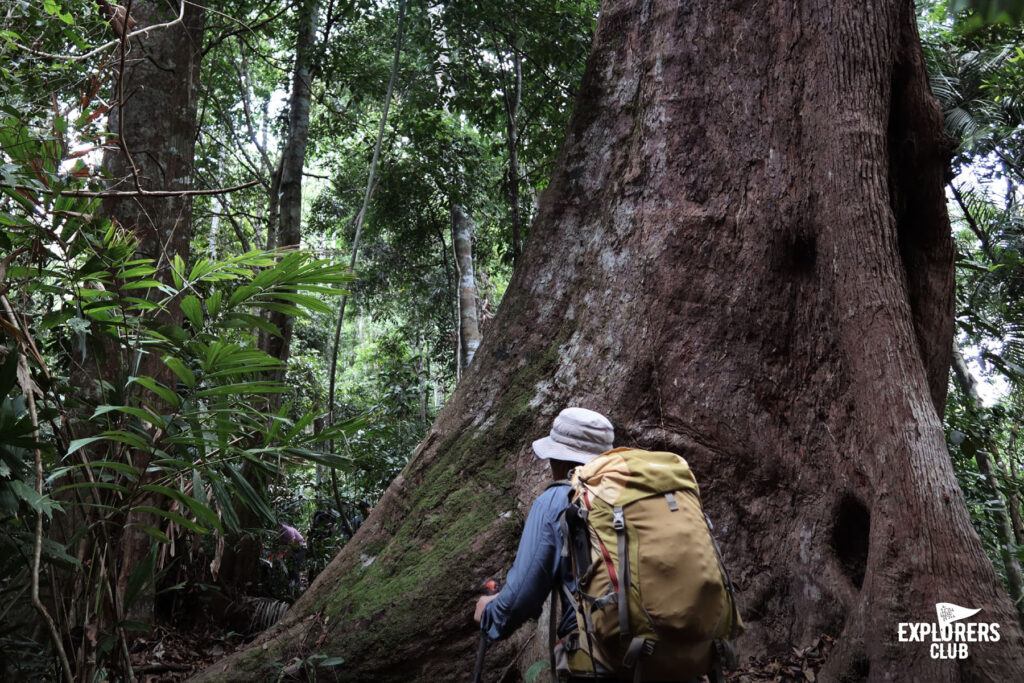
(425, 569)
(430, 566)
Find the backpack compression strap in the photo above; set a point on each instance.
(619, 524)
(637, 646)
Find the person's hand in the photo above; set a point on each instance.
(480, 604)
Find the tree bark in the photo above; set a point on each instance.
(293, 158)
(469, 316)
(158, 98)
(239, 563)
(743, 256)
(513, 100)
(1014, 500)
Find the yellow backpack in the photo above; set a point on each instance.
(652, 599)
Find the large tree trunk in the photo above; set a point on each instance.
(160, 93)
(744, 257)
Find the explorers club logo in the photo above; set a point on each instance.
(950, 636)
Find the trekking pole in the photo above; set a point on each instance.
(491, 587)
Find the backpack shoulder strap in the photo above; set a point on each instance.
(552, 634)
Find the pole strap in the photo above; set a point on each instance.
(619, 524)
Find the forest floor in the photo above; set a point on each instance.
(167, 655)
(799, 665)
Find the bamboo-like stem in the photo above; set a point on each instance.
(28, 389)
(361, 217)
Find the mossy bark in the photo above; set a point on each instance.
(744, 257)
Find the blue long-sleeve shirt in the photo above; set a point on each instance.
(538, 569)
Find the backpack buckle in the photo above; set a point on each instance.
(619, 519)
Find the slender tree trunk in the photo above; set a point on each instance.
(421, 378)
(454, 308)
(743, 256)
(361, 216)
(293, 158)
(239, 563)
(160, 92)
(469, 316)
(513, 101)
(219, 207)
(1015, 506)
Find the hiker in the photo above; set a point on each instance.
(615, 638)
(322, 526)
(577, 436)
(292, 549)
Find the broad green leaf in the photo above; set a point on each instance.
(253, 500)
(177, 269)
(225, 503)
(140, 413)
(142, 284)
(174, 517)
(193, 308)
(81, 443)
(55, 552)
(93, 485)
(200, 510)
(244, 388)
(153, 532)
(138, 271)
(304, 300)
(284, 309)
(124, 468)
(141, 575)
(157, 388)
(181, 370)
(213, 303)
(332, 661)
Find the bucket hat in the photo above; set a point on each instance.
(577, 435)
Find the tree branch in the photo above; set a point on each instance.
(133, 193)
(973, 224)
(101, 48)
(28, 388)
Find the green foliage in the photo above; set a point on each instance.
(975, 75)
(991, 11)
(160, 411)
(154, 392)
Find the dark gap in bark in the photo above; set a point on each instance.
(858, 671)
(802, 253)
(850, 538)
(901, 152)
(758, 608)
(918, 153)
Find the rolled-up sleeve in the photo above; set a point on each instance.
(534, 571)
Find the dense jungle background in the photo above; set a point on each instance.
(248, 251)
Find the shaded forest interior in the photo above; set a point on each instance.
(251, 261)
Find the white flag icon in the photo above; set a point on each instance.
(948, 613)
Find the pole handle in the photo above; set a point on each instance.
(491, 587)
